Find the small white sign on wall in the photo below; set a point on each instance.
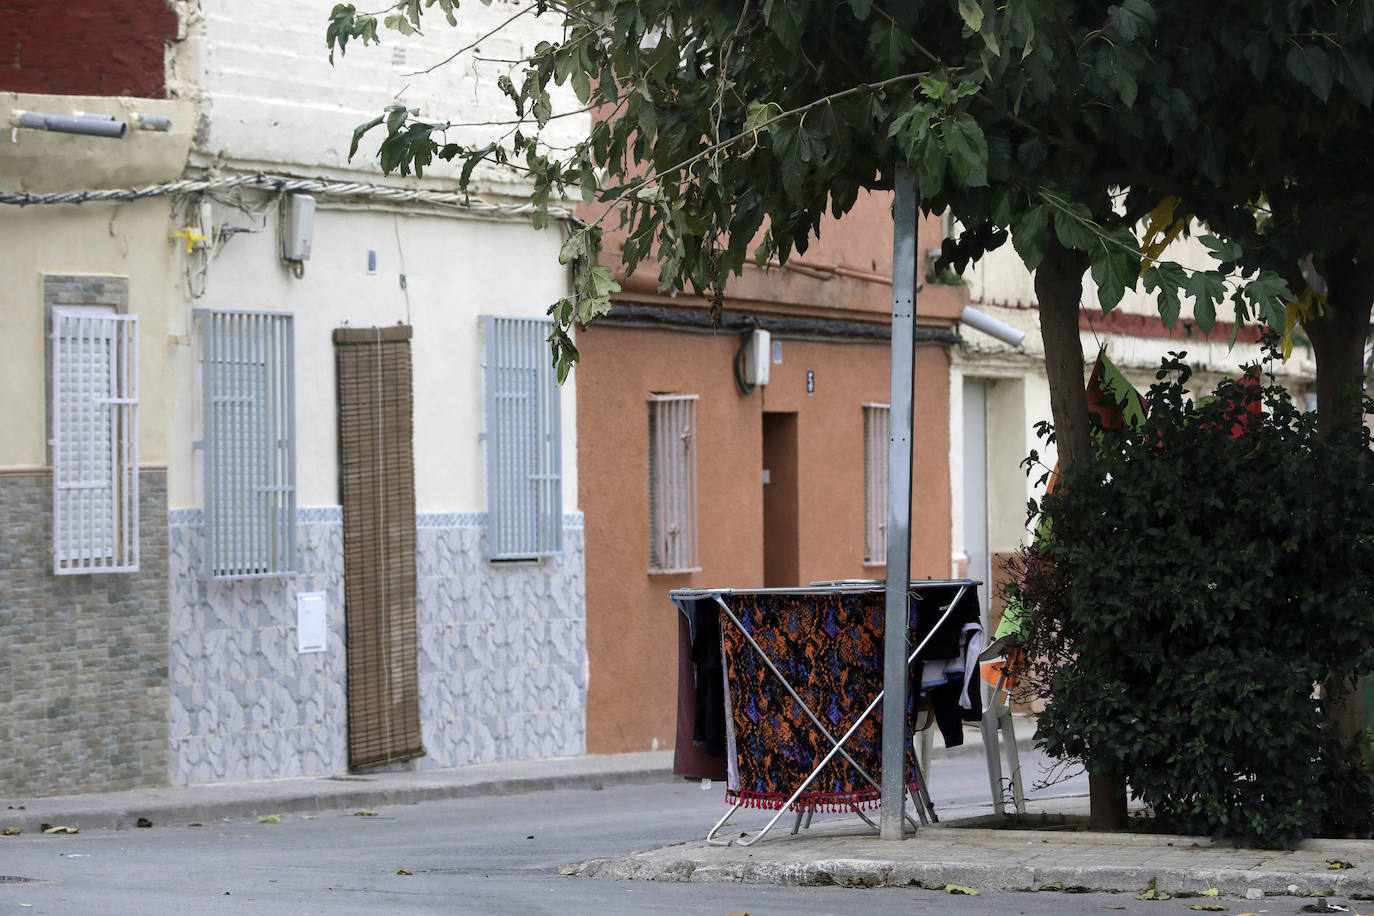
(311, 622)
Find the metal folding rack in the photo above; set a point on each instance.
(923, 806)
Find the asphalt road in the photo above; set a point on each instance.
(493, 855)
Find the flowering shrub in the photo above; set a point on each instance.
(1186, 593)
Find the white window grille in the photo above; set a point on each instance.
(523, 436)
(877, 427)
(248, 443)
(673, 483)
(94, 441)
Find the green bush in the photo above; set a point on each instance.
(1187, 592)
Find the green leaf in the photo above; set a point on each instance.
(358, 133)
(1224, 251)
(397, 23)
(1132, 18)
(1268, 293)
(861, 8)
(395, 117)
(1073, 224)
(1310, 66)
(971, 11)
(1356, 75)
(1208, 289)
(1113, 272)
(1030, 234)
(891, 47)
(968, 150)
(1167, 278)
(470, 163)
(930, 170)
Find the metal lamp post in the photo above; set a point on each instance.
(899, 503)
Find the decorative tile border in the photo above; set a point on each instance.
(305, 515)
(450, 519)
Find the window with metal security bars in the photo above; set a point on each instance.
(877, 427)
(523, 437)
(94, 441)
(248, 443)
(673, 483)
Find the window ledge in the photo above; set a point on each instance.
(674, 572)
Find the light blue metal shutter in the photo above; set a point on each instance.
(248, 437)
(94, 442)
(672, 483)
(523, 440)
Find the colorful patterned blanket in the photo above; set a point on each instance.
(829, 647)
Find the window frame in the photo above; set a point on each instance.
(89, 537)
(248, 444)
(522, 436)
(877, 434)
(673, 494)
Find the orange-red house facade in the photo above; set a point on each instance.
(779, 471)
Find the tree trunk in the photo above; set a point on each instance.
(1338, 337)
(1059, 287)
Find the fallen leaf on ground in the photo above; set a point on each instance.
(144, 822)
(11, 831)
(1209, 907)
(364, 812)
(269, 819)
(61, 829)
(1334, 864)
(1211, 892)
(1152, 894)
(402, 871)
(1052, 886)
(960, 889)
(1321, 907)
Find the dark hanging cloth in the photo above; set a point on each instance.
(708, 728)
(700, 749)
(948, 665)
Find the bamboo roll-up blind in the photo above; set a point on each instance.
(377, 480)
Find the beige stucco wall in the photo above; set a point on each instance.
(454, 268)
(129, 239)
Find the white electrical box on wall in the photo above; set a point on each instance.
(757, 352)
(297, 226)
(312, 622)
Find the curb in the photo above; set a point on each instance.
(866, 873)
(202, 804)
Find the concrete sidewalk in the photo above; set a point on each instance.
(964, 850)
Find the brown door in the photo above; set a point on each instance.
(377, 484)
(781, 532)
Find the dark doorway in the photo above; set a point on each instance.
(781, 506)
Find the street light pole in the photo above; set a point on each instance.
(890, 819)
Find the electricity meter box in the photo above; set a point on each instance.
(297, 226)
(758, 351)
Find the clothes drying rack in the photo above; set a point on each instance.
(924, 807)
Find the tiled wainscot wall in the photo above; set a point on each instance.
(83, 658)
(502, 664)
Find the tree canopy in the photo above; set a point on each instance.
(1064, 122)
